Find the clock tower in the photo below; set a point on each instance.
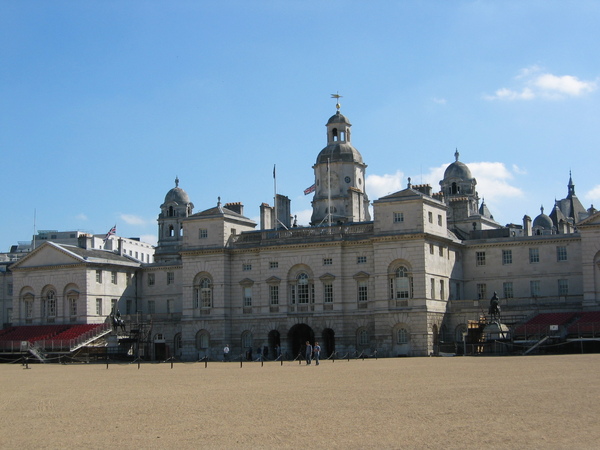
(340, 195)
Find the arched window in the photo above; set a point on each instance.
(203, 293)
(28, 306)
(49, 304)
(401, 336)
(303, 290)
(247, 339)
(171, 231)
(362, 337)
(334, 134)
(202, 340)
(401, 284)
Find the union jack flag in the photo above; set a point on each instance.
(112, 231)
(310, 189)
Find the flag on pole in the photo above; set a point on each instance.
(112, 231)
(308, 190)
(273, 170)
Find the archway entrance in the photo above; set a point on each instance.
(297, 337)
(328, 344)
(274, 343)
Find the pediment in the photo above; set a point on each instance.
(273, 280)
(594, 219)
(48, 254)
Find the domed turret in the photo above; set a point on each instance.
(339, 177)
(542, 223)
(173, 211)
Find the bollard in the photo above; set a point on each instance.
(241, 361)
(205, 362)
(138, 364)
(171, 362)
(281, 360)
(107, 363)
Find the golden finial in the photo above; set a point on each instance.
(337, 96)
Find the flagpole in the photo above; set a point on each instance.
(275, 196)
(328, 193)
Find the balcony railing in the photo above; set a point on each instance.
(316, 234)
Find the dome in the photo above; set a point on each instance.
(339, 152)
(338, 118)
(457, 170)
(543, 221)
(177, 195)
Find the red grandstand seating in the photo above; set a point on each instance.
(540, 324)
(588, 325)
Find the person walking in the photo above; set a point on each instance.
(225, 352)
(309, 350)
(317, 352)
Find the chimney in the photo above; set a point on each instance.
(526, 225)
(237, 207)
(85, 241)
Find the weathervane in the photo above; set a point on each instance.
(337, 96)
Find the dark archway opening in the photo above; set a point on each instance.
(297, 337)
(328, 344)
(274, 343)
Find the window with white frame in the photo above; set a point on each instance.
(534, 255)
(98, 276)
(401, 284)
(507, 289)
(480, 258)
(49, 304)
(398, 217)
(431, 249)
(561, 253)
(327, 261)
(442, 290)
(430, 216)
(328, 292)
(113, 277)
(247, 341)
(402, 336)
(363, 290)
(363, 337)
(302, 291)
(440, 220)
(72, 300)
(273, 264)
(203, 293)
(535, 288)
(432, 287)
(246, 267)
(361, 260)
(202, 233)
(98, 306)
(274, 294)
(506, 257)
(247, 296)
(563, 287)
(481, 291)
(170, 277)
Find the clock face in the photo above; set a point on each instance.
(347, 179)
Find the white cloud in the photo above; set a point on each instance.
(303, 216)
(534, 84)
(149, 238)
(594, 195)
(131, 219)
(81, 216)
(380, 185)
(439, 101)
(516, 169)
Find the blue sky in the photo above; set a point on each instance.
(104, 103)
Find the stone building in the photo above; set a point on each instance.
(403, 282)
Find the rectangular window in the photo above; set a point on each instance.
(442, 290)
(534, 288)
(561, 253)
(170, 306)
(440, 220)
(481, 291)
(480, 258)
(506, 257)
(273, 265)
(29, 310)
(248, 296)
(113, 277)
(432, 287)
(328, 293)
(151, 306)
(73, 306)
(113, 305)
(151, 279)
(534, 255)
(327, 261)
(430, 216)
(431, 249)
(202, 233)
(98, 276)
(361, 260)
(563, 287)
(274, 295)
(398, 217)
(98, 306)
(507, 289)
(441, 251)
(170, 277)
(363, 291)
(246, 267)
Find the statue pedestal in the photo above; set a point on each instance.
(496, 331)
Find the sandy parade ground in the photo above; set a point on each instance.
(461, 402)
